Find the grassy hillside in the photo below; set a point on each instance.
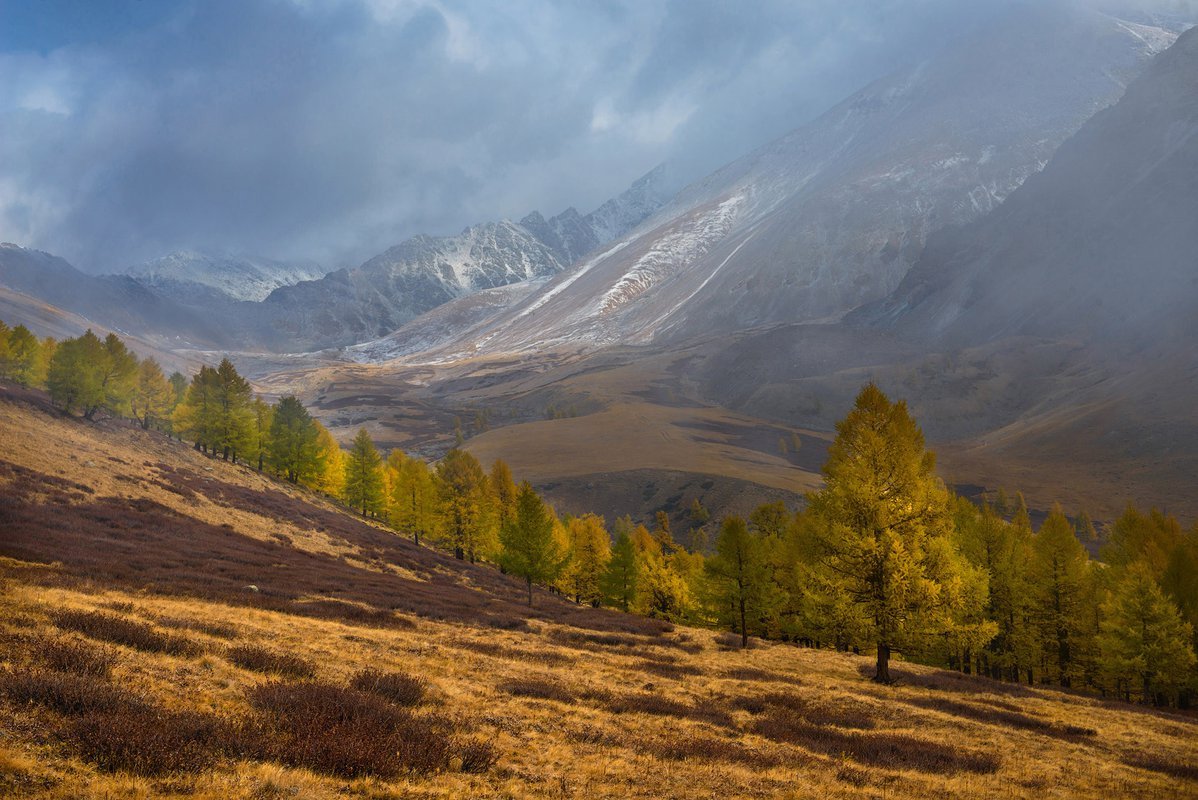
(173, 626)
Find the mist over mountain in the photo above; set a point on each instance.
(424, 272)
(195, 276)
(833, 215)
(1099, 245)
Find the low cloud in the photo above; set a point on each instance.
(331, 129)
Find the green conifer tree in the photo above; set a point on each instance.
(1144, 641)
(739, 577)
(364, 476)
(294, 452)
(528, 547)
(620, 578)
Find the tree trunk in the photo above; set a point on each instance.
(883, 673)
(459, 553)
(529, 592)
(744, 630)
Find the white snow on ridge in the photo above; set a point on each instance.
(239, 277)
(672, 252)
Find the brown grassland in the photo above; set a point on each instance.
(173, 626)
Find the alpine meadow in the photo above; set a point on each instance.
(843, 445)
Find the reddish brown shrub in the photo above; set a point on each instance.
(668, 670)
(346, 732)
(709, 749)
(843, 713)
(527, 654)
(732, 641)
(218, 629)
(75, 656)
(477, 757)
(949, 681)
(537, 688)
(996, 716)
(1173, 766)
(146, 740)
(131, 633)
(889, 750)
(589, 734)
(398, 687)
(649, 703)
(260, 659)
(754, 674)
(64, 692)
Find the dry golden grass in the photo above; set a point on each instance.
(573, 710)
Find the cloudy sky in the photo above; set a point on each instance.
(331, 129)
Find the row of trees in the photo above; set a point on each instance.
(883, 559)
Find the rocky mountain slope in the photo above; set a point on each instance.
(117, 302)
(197, 277)
(424, 272)
(210, 301)
(834, 214)
(1100, 245)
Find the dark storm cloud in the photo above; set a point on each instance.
(331, 129)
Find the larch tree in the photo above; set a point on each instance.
(178, 382)
(464, 496)
(414, 502)
(24, 357)
(1060, 582)
(739, 577)
(1180, 580)
(49, 346)
(5, 352)
(264, 415)
(330, 477)
(197, 416)
(363, 489)
(661, 532)
(1085, 527)
(503, 491)
(620, 578)
(770, 519)
(118, 376)
(294, 449)
(1149, 538)
(661, 591)
(1144, 641)
(152, 394)
(590, 551)
(528, 548)
(881, 505)
(234, 420)
(75, 379)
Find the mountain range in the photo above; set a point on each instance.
(833, 215)
(1000, 233)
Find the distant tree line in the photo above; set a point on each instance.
(883, 560)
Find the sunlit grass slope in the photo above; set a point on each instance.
(172, 626)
